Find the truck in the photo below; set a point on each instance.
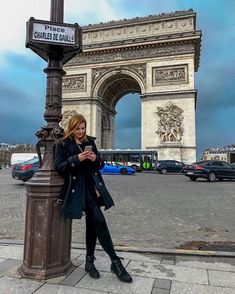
(21, 157)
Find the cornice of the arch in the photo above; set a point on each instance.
(136, 20)
(130, 71)
(189, 45)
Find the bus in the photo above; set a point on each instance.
(138, 159)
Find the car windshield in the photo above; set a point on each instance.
(31, 161)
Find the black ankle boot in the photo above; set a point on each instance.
(119, 270)
(90, 267)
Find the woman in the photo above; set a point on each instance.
(78, 161)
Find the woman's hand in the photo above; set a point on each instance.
(92, 156)
(87, 155)
(84, 155)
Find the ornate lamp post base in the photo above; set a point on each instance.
(47, 234)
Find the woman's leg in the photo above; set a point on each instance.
(91, 236)
(105, 240)
(90, 248)
(98, 223)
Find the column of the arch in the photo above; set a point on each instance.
(186, 149)
(111, 130)
(148, 126)
(93, 113)
(107, 130)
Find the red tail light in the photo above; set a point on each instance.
(26, 167)
(197, 167)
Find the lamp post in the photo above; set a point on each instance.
(47, 241)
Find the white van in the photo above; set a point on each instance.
(21, 157)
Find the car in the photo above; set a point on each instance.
(25, 170)
(117, 169)
(169, 166)
(210, 170)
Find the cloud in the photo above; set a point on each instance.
(13, 23)
(22, 99)
(126, 138)
(20, 116)
(128, 112)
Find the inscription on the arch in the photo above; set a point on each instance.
(75, 83)
(150, 29)
(170, 74)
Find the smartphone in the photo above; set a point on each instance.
(88, 148)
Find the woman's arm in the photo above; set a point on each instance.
(64, 163)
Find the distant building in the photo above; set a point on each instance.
(4, 146)
(220, 153)
(7, 149)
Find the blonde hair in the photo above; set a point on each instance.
(73, 122)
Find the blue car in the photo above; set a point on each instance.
(117, 169)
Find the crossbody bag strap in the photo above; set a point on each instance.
(80, 148)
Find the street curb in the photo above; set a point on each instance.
(143, 250)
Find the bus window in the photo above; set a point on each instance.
(135, 158)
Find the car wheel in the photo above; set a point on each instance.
(135, 167)
(193, 178)
(123, 171)
(211, 177)
(163, 171)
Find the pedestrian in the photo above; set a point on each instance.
(84, 192)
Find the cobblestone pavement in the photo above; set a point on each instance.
(151, 273)
(151, 210)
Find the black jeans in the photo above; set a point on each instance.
(96, 227)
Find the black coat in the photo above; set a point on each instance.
(80, 178)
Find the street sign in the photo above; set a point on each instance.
(56, 34)
(42, 36)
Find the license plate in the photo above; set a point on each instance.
(16, 178)
(189, 173)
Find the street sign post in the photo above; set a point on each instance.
(47, 242)
(43, 35)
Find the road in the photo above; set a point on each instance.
(151, 210)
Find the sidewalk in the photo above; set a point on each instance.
(159, 272)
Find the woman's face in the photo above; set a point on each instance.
(80, 131)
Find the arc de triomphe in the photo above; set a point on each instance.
(156, 56)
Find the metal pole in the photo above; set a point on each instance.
(47, 241)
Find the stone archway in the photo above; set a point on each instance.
(110, 86)
(155, 56)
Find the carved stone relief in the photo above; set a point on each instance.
(170, 128)
(97, 73)
(66, 116)
(170, 75)
(131, 54)
(139, 69)
(75, 83)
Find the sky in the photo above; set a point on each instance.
(23, 82)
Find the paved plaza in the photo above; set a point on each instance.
(153, 216)
(151, 210)
(152, 274)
